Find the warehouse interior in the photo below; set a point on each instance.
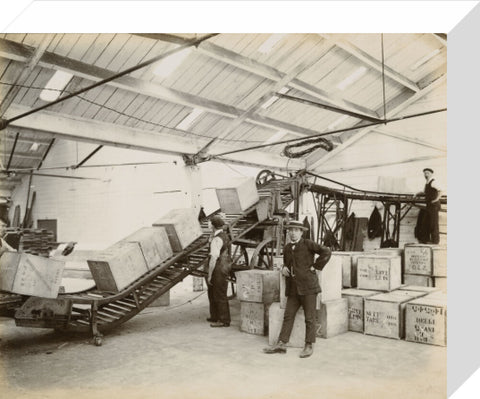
(105, 134)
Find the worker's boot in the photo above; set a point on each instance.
(280, 347)
(307, 350)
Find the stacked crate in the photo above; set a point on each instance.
(256, 290)
(37, 242)
(425, 265)
(426, 319)
(121, 264)
(377, 272)
(385, 313)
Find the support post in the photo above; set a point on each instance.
(194, 181)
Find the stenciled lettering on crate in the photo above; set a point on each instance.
(418, 259)
(356, 306)
(254, 317)
(379, 273)
(258, 285)
(426, 320)
(385, 313)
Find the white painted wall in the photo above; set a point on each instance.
(97, 213)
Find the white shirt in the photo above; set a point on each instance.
(216, 244)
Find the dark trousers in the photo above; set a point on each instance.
(294, 301)
(432, 211)
(217, 296)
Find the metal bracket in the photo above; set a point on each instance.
(194, 159)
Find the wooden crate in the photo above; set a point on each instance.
(254, 317)
(182, 227)
(417, 279)
(418, 259)
(330, 280)
(333, 318)
(385, 313)
(154, 244)
(258, 285)
(379, 273)
(412, 287)
(349, 267)
(163, 300)
(439, 262)
(27, 274)
(441, 283)
(275, 321)
(76, 265)
(197, 283)
(238, 195)
(118, 266)
(356, 300)
(426, 320)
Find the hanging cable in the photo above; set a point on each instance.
(195, 42)
(318, 142)
(103, 106)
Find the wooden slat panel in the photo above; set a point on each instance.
(97, 48)
(53, 45)
(24, 92)
(138, 109)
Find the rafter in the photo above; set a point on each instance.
(19, 52)
(371, 61)
(261, 99)
(24, 155)
(31, 63)
(410, 140)
(265, 71)
(383, 164)
(102, 133)
(395, 106)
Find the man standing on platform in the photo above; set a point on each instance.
(301, 286)
(432, 195)
(218, 271)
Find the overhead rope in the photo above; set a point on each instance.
(318, 142)
(5, 122)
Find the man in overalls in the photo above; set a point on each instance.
(432, 195)
(218, 271)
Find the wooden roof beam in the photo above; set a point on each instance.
(397, 105)
(31, 62)
(24, 155)
(371, 61)
(383, 164)
(265, 71)
(102, 133)
(12, 50)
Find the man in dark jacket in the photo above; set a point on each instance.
(301, 286)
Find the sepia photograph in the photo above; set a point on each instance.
(223, 215)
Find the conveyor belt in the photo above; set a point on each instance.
(98, 311)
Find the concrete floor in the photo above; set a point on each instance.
(172, 352)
